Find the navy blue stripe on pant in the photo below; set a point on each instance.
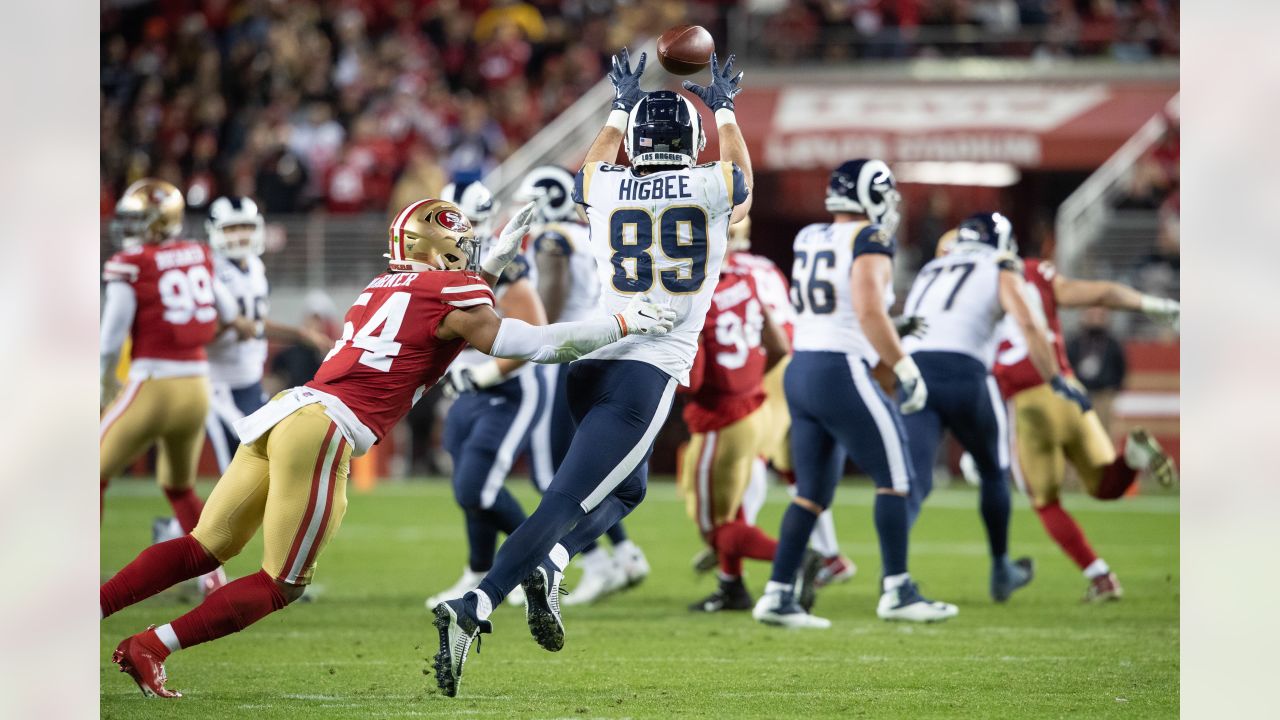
(227, 405)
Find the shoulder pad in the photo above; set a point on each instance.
(872, 238)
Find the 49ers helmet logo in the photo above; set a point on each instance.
(454, 221)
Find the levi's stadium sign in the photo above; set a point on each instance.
(1031, 125)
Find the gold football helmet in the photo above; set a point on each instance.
(432, 235)
(946, 243)
(740, 235)
(149, 211)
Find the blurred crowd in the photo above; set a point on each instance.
(1126, 30)
(348, 105)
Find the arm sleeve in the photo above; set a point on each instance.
(118, 309)
(874, 239)
(556, 343)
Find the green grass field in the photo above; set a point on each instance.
(363, 649)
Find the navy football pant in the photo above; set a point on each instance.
(837, 409)
(227, 405)
(619, 406)
(963, 398)
(484, 433)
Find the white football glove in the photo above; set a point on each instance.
(508, 243)
(911, 385)
(642, 317)
(1165, 310)
(458, 380)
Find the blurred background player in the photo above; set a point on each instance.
(774, 291)
(962, 295)
(496, 402)
(161, 293)
(1049, 430)
(727, 420)
(842, 287)
(570, 290)
(290, 473)
(660, 228)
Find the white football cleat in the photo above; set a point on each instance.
(601, 576)
(465, 584)
(906, 603)
(780, 608)
(516, 598)
(633, 562)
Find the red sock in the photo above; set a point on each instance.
(1064, 531)
(158, 567)
(736, 540)
(231, 608)
(186, 507)
(1116, 479)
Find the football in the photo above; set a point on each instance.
(685, 49)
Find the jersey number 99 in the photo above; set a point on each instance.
(682, 236)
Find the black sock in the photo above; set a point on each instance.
(793, 538)
(482, 539)
(995, 507)
(891, 526)
(506, 512)
(617, 533)
(530, 544)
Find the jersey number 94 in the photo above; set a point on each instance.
(682, 236)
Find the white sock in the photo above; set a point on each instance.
(626, 548)
(823, 538)
(726, 578)
(560, 556)
(484, 606)
(776, 587)
(167, 636)
(893, 582)
(1097, 568)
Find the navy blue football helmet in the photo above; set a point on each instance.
(476, 202)
(865, 187)
(990, 229)
(664, 129)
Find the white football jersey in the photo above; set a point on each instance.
(820, 291)
(665, 234)
(573, 240)
(233, 362)
(958, 295)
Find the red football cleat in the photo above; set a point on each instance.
(1103, 588)
(834, 570)
(145, 665)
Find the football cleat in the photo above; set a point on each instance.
(633, 563)
(210, 582)
(144, 665)
(806, 588)
(835, 569)
(601, 576)
(730, 595)
(468, 582)
(515, 598)
(459, 629)
(781, 609)
(164, 530)
(906, 603)
(1103, 588)
(705, 561)
(1149, 455)
(542, 606)
(1009, 576)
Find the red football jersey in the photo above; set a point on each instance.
(172, 281)
(772, 286)
(389, 353)
(1014, 370)
(727, 380)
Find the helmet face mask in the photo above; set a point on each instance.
(551, 187)
(149, 211)
(664, 129)
(432, 235)
(235, 227)
(866, 187)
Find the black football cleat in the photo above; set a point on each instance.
(806, 588)
(542, 606)
(459, 628)
(730, 595)
(1006, 577)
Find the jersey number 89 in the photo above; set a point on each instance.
(682, 236)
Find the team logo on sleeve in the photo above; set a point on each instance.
(880, 236)
(454, 221)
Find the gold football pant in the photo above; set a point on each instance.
(716, 469)
(1050, 430)
(166, 412)
(776, 440)
(292, 481)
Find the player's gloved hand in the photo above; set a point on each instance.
(719, 93)
(458, 380)
(910, 325)
(1071, 392)
(1165, 310)
(642, 317)
(508, 243)
(911, 387)
(626, 84)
